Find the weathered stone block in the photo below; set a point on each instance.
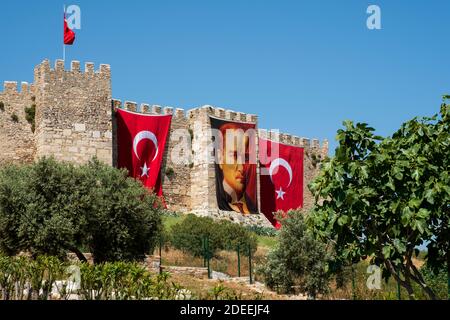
(79, 127)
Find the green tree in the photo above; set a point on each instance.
(382, 198)
(299, 260)
(51, 208)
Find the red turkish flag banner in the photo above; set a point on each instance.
(69, 35)
(281, 178)
(141, 141)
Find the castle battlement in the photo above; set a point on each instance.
(45, 72)
(75, 121)
(12, 88)
(294, 140)
(146, 108)
(222, 113)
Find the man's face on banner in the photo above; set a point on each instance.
(234, 158)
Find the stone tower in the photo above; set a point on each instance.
(73, 112)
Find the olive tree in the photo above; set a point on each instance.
(53, 208)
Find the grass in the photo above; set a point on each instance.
(169, 221)
(267, 242)
(225, 261)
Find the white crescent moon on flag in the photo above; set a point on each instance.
(142, 136)
(279, 162)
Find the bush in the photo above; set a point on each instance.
(263, 231)
(298, 261)
(52, 208)
(30, 114)
(2, 106)
(170, 172)
(124, 281)
(14, 118)
(188, 236)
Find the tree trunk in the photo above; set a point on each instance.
(417, 277)
(404, 283)
(79, 254)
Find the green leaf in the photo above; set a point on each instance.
(386, 252)
(415, 202)
(420, 225)
(415, 175)
(423, 214)
(429, 195)
(399, 246)
(406, 216)
(390, 184)
(399, 176)
(342, 220)
(364, 173)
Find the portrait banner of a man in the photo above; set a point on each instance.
(235, 165)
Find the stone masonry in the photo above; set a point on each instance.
(75, 121)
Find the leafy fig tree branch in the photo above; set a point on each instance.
(383, 197)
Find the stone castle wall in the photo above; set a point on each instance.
(16, 136)
(75, 120)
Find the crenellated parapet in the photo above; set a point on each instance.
(13, 88)
(313, 145)
(44, 73)
(145, 108)
(225, 114)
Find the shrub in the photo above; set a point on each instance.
(437, 280)
(298, 261)
(52, 208)
(15, 117)
(263, 231)
(223, 235)
(24, 278)
(30, 114)
(2, 106)
(170, 172)
(124, 281)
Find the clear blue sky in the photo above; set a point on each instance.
(302, 66)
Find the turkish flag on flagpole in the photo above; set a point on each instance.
(282, 180)
(141, 141)
(69, 35)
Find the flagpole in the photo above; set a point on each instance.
(64, 45)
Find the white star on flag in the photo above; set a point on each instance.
(280, 194)
(144, 170)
